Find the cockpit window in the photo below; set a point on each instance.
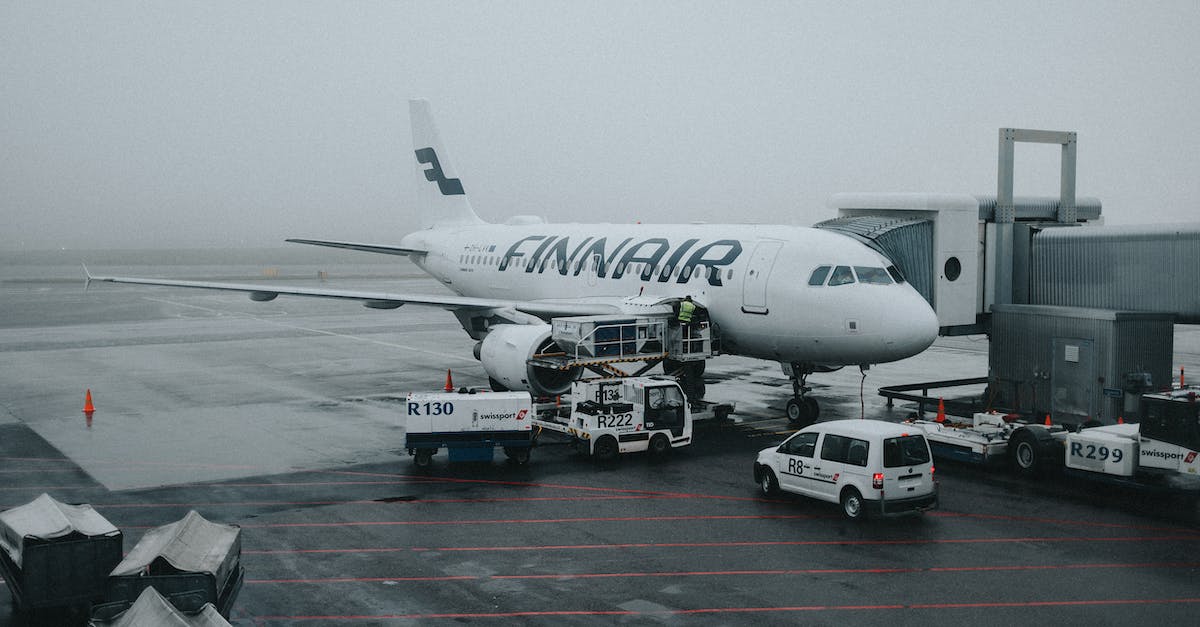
(895, 272)
(841, 276)
(875, 276)
(818, 276)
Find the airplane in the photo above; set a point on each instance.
(812, 299)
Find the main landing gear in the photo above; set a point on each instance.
(802, 410)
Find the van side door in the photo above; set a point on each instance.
(834, 462)
(796, 463)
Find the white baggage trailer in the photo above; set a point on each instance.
(468, 425)
(1162, 450)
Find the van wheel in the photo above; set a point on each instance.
(767, 483)
(659, 445)
(853, 507)
(605, 448)
(423, 458)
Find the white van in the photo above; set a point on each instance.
(868, 466)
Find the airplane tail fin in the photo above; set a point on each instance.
(441, 196)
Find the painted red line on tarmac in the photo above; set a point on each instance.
(728, 544)
(526, 484)
(384, 503)
(731, 610)
(738, 573)
(30, 471)
(1058, 521)
(528, 521)
(51, 488)
(367, 579)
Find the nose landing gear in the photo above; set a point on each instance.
(802, 410)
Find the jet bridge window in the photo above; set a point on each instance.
(819, 275)
(874, 276)
(842, 275)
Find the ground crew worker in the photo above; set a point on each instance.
(686, 309)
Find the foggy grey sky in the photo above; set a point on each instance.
(172, 124)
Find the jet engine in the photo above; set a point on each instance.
(505, 352)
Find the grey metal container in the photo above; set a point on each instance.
(1077, 364)
(1136, 268)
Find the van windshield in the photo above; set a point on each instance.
(907, 450)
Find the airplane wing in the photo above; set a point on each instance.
(369, 248)
(383, 300)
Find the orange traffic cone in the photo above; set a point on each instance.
(1120, 420)
(941, 415)
(88, 408)
(1047, 420)
(449, 383)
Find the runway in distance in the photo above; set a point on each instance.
(811, 299)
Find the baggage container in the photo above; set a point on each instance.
(190, 555)
(468, 425)
(56, 555)
(609, 336)
(152, 609)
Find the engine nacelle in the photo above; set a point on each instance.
(505, 352)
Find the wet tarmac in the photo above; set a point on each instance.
(284, 418)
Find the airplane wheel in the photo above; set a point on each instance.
(814, 410)
(802, 412)
(794, 411)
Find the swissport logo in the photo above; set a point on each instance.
(521, 414)
(1191, 457)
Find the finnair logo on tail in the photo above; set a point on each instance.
(449, 187)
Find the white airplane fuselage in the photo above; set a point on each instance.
(754, 280)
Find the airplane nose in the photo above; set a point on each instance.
(916, 326)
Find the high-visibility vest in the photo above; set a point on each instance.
(685, 310)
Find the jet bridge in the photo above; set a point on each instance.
(980, 259)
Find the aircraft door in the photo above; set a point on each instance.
(754, 285)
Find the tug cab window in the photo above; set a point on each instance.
(664, 409)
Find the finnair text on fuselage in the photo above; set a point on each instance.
(656, 253)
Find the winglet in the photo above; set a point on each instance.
(87, 277)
